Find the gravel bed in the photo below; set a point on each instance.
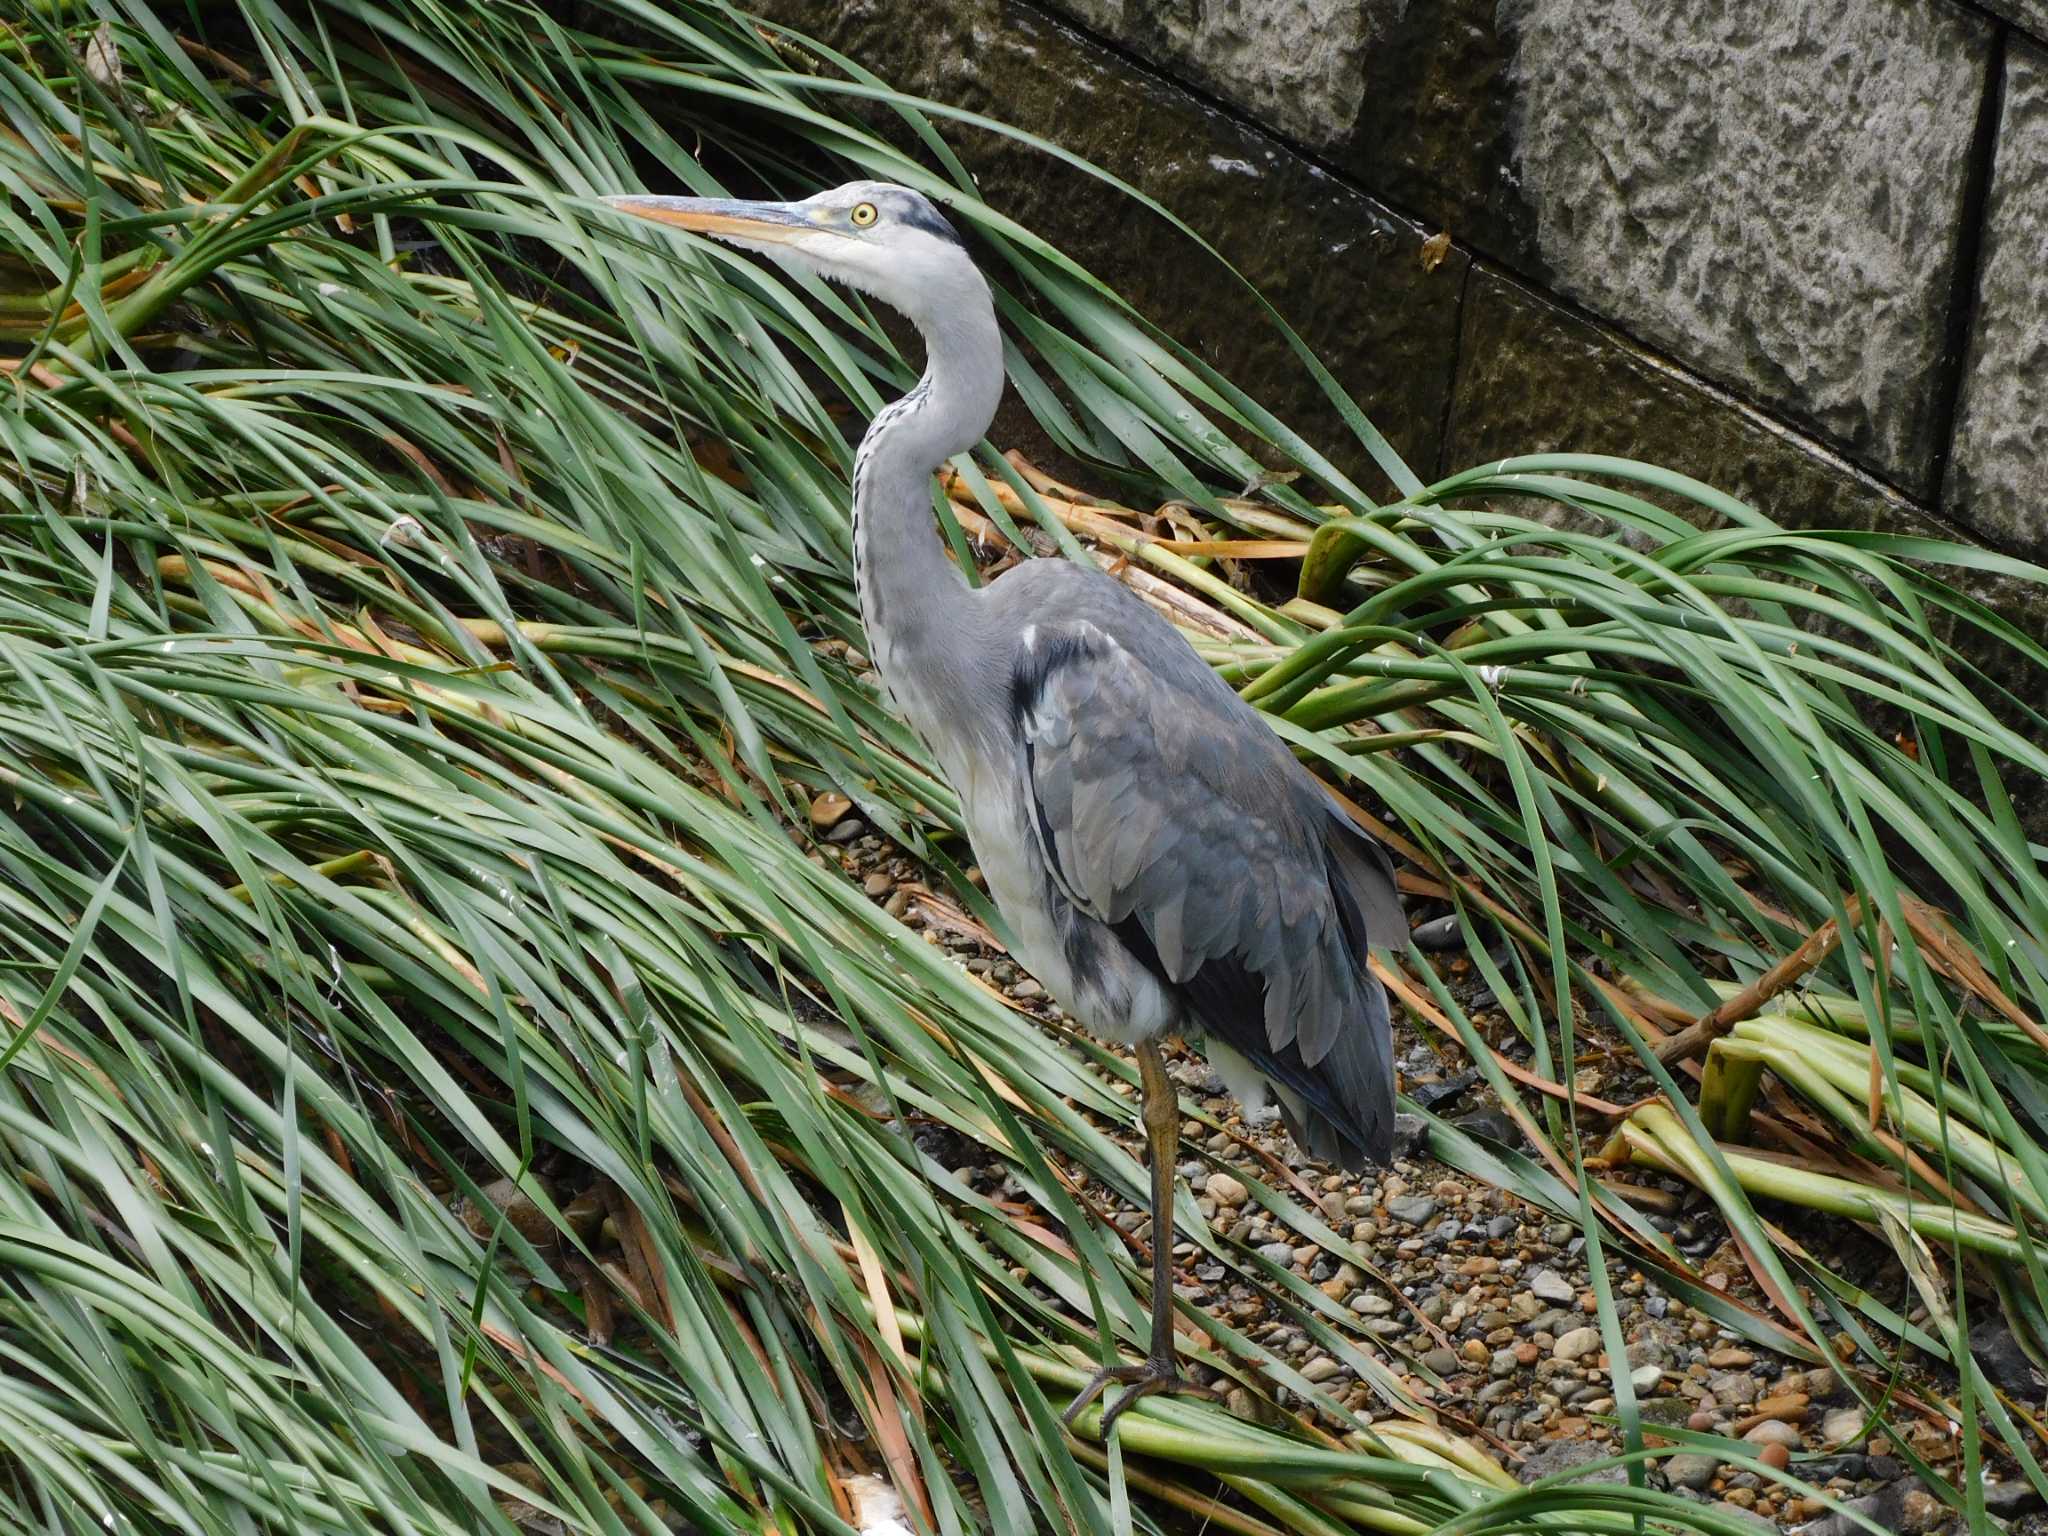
(1482, 1303)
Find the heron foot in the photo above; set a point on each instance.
(1153, 1376)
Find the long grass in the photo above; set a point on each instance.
(423, 608)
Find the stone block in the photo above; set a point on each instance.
(1533, 377)
(1773, 194)
(1297, 65)
(2027, 15)
(1997, 482)
(1409, 100)
(1339, 266)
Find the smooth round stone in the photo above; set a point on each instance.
(1773, 1432)
(1577, 1344)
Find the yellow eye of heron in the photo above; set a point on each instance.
(864, 214)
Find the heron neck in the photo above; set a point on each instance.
(913, 600)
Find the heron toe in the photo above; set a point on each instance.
(1151, 1377)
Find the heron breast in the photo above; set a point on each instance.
(1077, 959)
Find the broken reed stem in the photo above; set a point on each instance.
(1709, 1027)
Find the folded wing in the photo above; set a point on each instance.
(1169, 811)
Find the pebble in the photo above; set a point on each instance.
(1777, 1456)
(1772, 1432)
(1921, 1511)
(1444, 1362)
(1644, 1378)
(1691, 1469)
(1843, 1426)
(1730, 1359)
(1551, 1286)
(1790, 1406)
(1413, 1209)
(1320, 1369)
(1225, 1190)
(1577, 1344)
(828, 809)
(1439, 933)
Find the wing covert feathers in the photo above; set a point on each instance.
(1169, 811)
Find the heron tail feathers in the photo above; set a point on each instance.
(1347, 1116)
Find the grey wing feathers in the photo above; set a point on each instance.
(1169, 811)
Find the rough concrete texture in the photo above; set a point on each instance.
(1406, 96)
(1776, 199)
(1298, 65)
(1535, 378)
(1342, 269)
(1998, 472)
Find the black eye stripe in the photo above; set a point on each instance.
(901, 206)
(922, 215)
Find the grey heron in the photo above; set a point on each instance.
(1163, 863)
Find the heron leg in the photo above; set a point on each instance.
(1160, 1372)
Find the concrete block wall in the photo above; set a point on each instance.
(1798, 248)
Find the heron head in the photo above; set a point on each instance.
(883, 239)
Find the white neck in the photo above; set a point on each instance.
(911, 594)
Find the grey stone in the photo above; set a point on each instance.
(1411, 1134)
(1555, 1456)
(2012, 1497)
(1773, 194)
(1997, 1349)
(1342, 268)
(1320, 1369)
(1551, 1286)
(1444, 1362)
(1691, 1469)
(1732, 1389)
(1494, 1126)
(1409, 100)
(1998, 467)
(1413, 1209)
(1903, 1507)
